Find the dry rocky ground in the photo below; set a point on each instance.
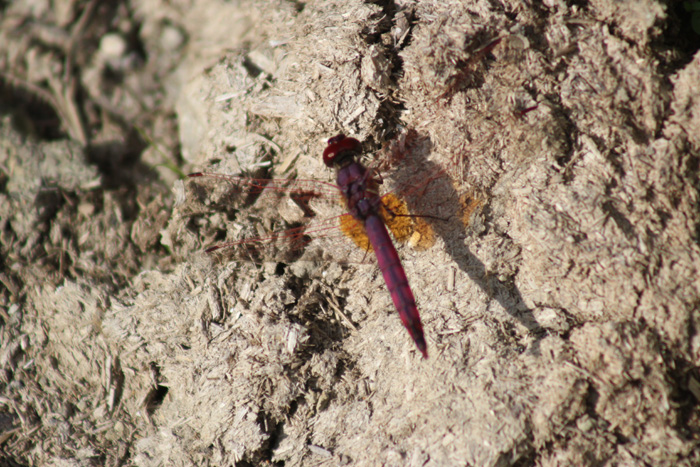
(561, 316)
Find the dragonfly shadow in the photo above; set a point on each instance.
(448, 212)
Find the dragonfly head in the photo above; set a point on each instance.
(339, 149)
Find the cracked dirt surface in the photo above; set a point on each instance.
(561, 320)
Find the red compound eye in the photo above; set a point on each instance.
(338, 146)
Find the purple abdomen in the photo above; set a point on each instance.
(396, 280)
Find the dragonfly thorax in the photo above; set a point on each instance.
(359, 190)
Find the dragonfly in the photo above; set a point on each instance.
(365, 225)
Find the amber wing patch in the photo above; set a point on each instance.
(354, 229)
(406, 228)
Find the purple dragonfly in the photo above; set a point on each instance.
(364, 223)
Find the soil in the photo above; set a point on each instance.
(560, 301)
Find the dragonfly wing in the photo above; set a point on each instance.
(279, 220)
(230, 192)
(300, 220)
(315, 240)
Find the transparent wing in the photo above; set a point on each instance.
(279, 219)
(289, 220)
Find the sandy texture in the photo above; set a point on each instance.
(560, 301)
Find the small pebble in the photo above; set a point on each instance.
(112, 46)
